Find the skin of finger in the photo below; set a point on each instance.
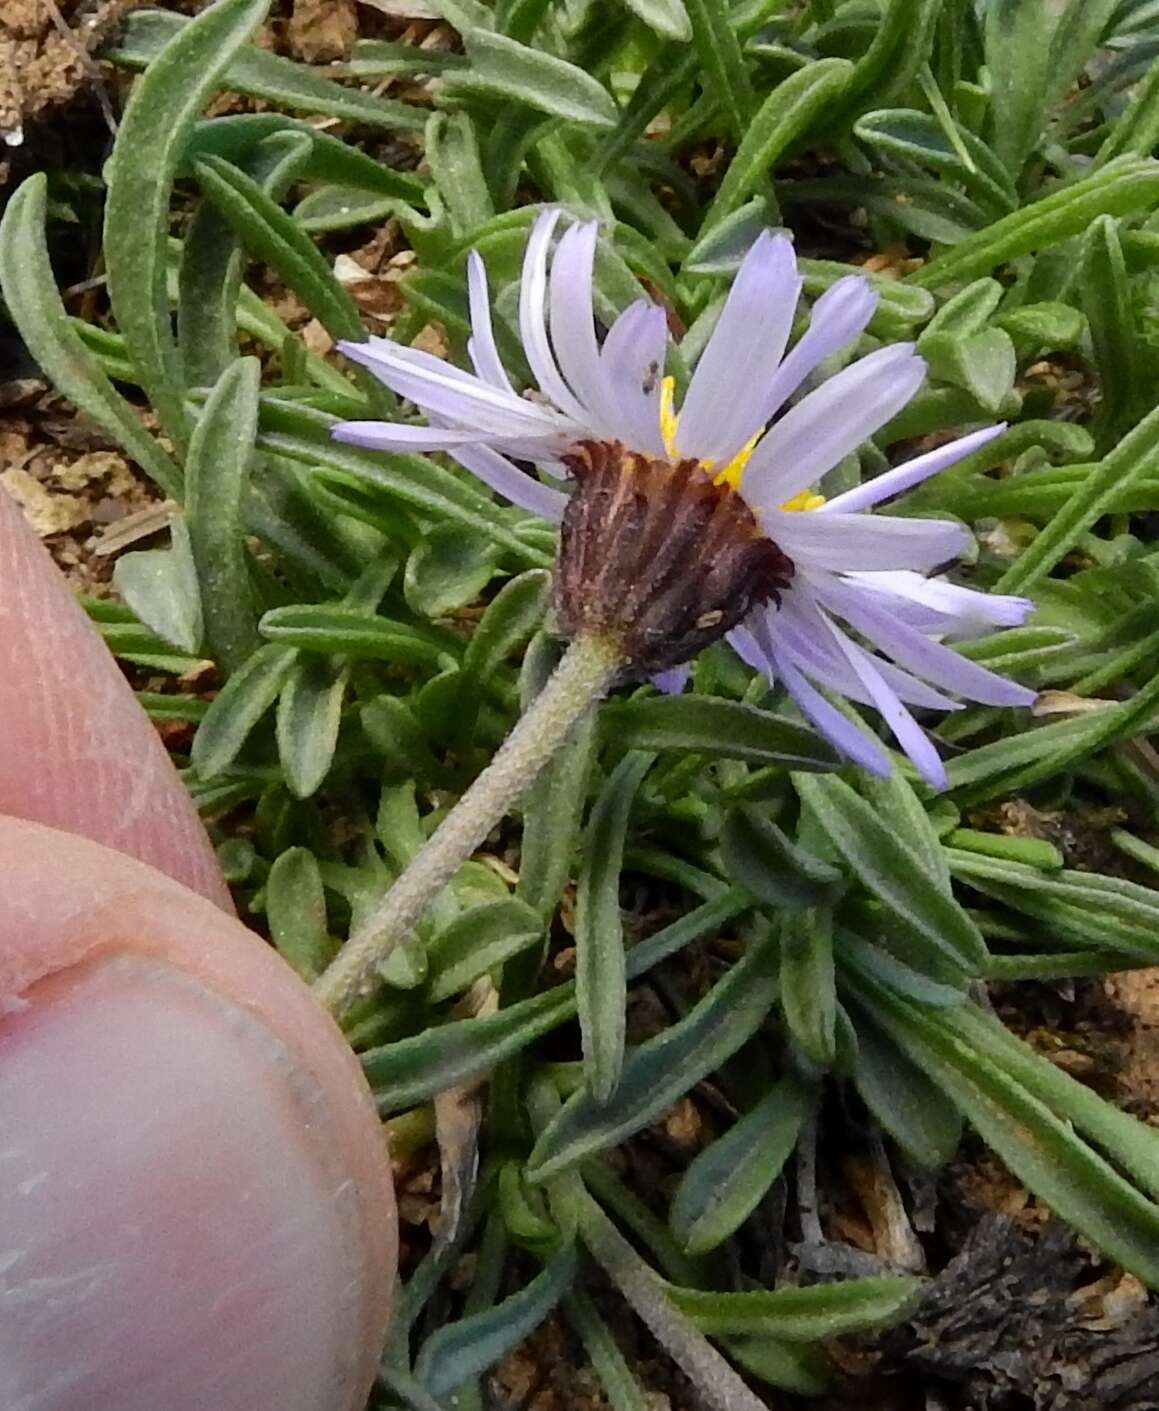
(68, 901)
(79, 752)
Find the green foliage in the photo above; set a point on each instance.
(379, 621)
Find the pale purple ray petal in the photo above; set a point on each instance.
(399, 436)
(373, 350)
(937, 605)
(455, 396)
(804, 633)
(481, 347)
(913, 649)
(905, 477)
(854, 541)
(746, 646)
(533, 322)
(672, 681)
(573, 331)
(847, 738)
(633, 359)
(908, 733)
(838, 317)
(723, 408)
(829, 423)
(513, 484)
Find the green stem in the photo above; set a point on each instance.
(582, 676)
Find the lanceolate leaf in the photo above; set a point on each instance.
(217, 479)
(601, 978)
(728, 1180)
(157, 120)
(721, 727)
(890, 869)
(664, 1068)
(31, 295)
(460, 1351)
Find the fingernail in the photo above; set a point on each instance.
(175, 1229)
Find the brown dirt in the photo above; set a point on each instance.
(45, 55)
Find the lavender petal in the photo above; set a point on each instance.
(829, 423)
(672, 681)
(481, 346)
(847, 738)
(400, 436)
(935, 605)
(905, 477)
(497, 472)
(905, 729)
(838, 317)
(633, 361)
(723, 408)
(916, 651)
(572, 324)
(803, 632)
(456, 396)
(533, 324)
(863, 542)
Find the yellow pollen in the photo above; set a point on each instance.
(733, 472)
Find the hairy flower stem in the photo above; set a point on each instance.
(584, 673)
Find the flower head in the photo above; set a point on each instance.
(836, 599)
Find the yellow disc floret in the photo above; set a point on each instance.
(733, 472)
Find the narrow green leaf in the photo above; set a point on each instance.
(616, 1377)
(897, 805)
(662, 1070)
(1127, 184)
(448, 569)
(786, 115)
(800, 1314)
(900, 45)
(30, 293)
(1039, 1146)
(143, 34)
(217, 473)
(910, 136)
(728, 1179)
(477, 941)
(516, 71)
(808, 984)
(761, 858)
(601, 977)
(160, 585)
(157, 120)
(410, 1071)
(722, 61)
(890, 869)
(273, 236)
(308, 718)
(452, 149)
(906, 1101)
(346, 631)
(238, 707)
(459, 1351)
(1106, 299)
(723, 728)
(512, 618)
(1084, 907)
(296, 911)
(1136, 453)
(667, 18)
(210, 275)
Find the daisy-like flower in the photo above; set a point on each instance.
(679, 527)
